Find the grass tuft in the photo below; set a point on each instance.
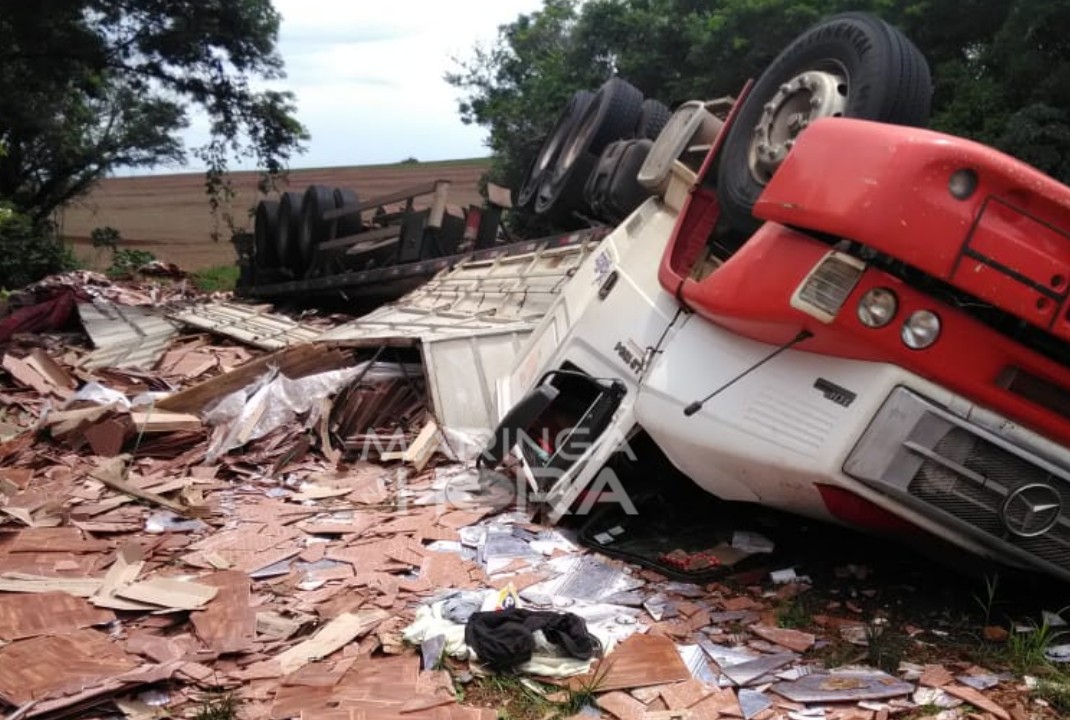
(517, 698)
(1025, 650)
(221, 278)
(794, 614)
(1056, 692)
(217, 705)
(885, 648)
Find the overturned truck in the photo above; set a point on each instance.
(818, 306)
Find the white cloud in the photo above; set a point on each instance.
(368, 76)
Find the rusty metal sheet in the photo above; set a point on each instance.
(125, 336)
(251, 324)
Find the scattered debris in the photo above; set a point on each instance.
(286, 518)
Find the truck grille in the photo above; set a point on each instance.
(984, 479)
(980, 505)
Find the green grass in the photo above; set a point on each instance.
(518, 698)
(217, 706)
(221, 278)
(794, 614)
(988, 600)
(1056, 692)
(1025, 650)
(886, 647)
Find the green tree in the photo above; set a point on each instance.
(92, 85)
(517, 86)
(1001, 67)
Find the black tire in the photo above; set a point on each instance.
(316, 201)
(653, 116)
(597, 185)
(265, 232)
(610, 116)
(551, 147)
(348, 224)
(888, 80)
(624, 194)
(287, 248)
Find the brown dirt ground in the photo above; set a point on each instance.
(169, 214)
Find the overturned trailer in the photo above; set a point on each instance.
(832, 313)
(329, 243)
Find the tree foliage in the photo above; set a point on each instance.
(94, 85)
(1001, 67)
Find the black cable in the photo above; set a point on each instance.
(697, 405)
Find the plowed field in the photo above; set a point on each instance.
(169, 214)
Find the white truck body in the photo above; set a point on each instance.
(778, 435)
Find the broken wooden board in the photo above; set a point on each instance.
(419, 450)
(60, 380)
(162, 421)
(169, 593)
(639, 661)
(25, 583)
(41, 373)
(66, 423)
(54, 665)
(128, 564)
(331, 637)
(228, 623)
(275, 626)
(111, 474)
(49, 613)
(54, 540)
(294, 362)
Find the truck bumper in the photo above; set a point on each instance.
(805, 431)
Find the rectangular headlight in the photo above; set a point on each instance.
(826, 288)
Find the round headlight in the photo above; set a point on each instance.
(962, 184)
(921, 330)
(877, 307)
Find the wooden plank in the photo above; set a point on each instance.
(26, 583)
(639, 661)
(129, 562)
(438, 204)
(62, 423)
(59, 665)
(53, 372)
(169, 593)
(54, 540)
(228, 623)
(412, 191)
(110, 473)
(274, 626)
(294, 362)
(419, 453)
(331, 637)
(161, 421)
(26, 375)
(499, 196)
(371, 237)
(50, 613)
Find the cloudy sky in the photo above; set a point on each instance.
(368, 76)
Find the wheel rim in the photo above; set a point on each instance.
(549, 150)
(580, 139)
(797, 103)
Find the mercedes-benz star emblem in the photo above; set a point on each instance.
(1031, 510)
